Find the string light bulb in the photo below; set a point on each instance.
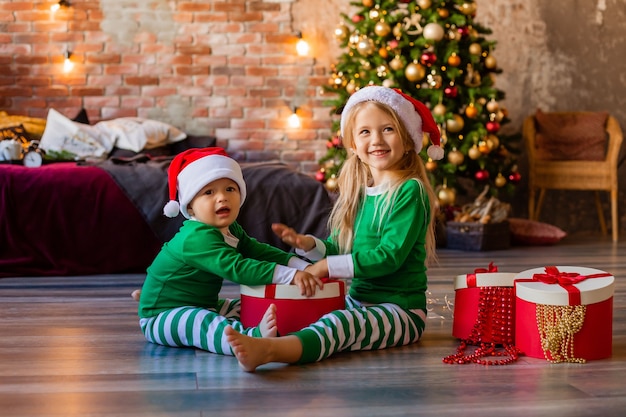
(302, 46)
(68, 65)
(294, 120)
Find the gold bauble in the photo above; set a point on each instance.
(490, 62)
(443, 13)
(365, 46)
(475, 49)
(454, 60)
(331, 183)
(456, 157)
(351, 87)
(414, 72)
(494, 141)
(471, 111)
(433, 31)
(431, 165)
(500, 181)
(446, 196)
(455, 124)
(439, 110)
(341, 33)
(424, 4)
(493, 106)
(368, 3)
(396, 63)
(467, 8)
(474, 153)
(382, 28)
(500, 115)
(383, 52)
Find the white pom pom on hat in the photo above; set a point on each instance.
(192, 170)
(414, 114)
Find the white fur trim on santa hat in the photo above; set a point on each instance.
(201, 172)
(403, 108)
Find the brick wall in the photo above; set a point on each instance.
(222, 67)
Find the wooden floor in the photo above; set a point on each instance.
(71, 346)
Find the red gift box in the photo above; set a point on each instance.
(293, 310)
(469, 289)
(554, 298)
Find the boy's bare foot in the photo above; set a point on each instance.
(267, 326)
(136, 295)
(250, 352)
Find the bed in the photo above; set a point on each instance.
(69, 218)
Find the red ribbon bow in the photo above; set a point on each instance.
(471, 278)
(564, 279)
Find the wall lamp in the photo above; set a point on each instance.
(61, 3)
(302, 46)
(294, 121)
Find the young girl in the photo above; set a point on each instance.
(382, 237)
(179, 303)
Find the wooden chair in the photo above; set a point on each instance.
(574, 174)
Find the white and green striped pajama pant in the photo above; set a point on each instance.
(355, 328)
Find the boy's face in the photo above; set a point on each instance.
(217, 204)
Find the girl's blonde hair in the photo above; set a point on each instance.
(355, 176)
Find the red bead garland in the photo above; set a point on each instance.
(492, 332)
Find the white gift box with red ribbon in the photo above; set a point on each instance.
(566, 286)
(467, 298)
(294, 311)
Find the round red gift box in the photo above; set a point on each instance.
(594, 339)
(466, 297)
(293, 310)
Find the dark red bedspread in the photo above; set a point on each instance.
(64, 219)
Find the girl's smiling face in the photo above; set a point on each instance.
(217, 204)
(377, 140)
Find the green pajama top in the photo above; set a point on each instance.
(190, 268)
(387, 263)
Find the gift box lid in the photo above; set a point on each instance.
(331, 289)
(564, 285)
(484, 279)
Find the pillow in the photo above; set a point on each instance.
(530, 232)
(137, 134)
(63, 135)
(571, 136)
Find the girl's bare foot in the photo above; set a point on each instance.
(250, 352)
(267, 326)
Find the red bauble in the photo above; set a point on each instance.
(357, 18)
(493, 127)
(515, 177)
(320, 176)
(336, 141)
(482, 175)
(428, 58)
(463, 31)
(451, 91)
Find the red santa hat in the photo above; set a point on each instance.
(193, 169)
(415, 115)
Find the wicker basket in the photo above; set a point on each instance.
(474, 236)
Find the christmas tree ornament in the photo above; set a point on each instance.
(397, 30)
(500, 181)
(483, 147)
(475, 49)
(454, 60)
(396, 63)
(439, 109)
(468, 8)
(500, 114)
(331, 183)
(382, 29)
(383, 52)
(452, 34)
(351, 87)
(424, 4)
(456, 124)
(490, 62)
(474, 153)
(446, 196)
(341, 33)
(515, 177)
(368, 3)
(434, 80)
(374, 13)
(433, 32)
(428, 58)
(381, 71)
(320, 175)
(431, 165)
(482, 175)
(443, 13)
(365, 46)
(493, 141)
(414, 72)
(492, 126)
(357, 18)
(463, 31)
(456, 157)
(451, 91)
(472, 77)
(492, 106)
(471, 111)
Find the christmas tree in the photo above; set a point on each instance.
(436, 52)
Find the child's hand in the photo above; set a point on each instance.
(307, 283)
(318, 269)
(292, 238)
